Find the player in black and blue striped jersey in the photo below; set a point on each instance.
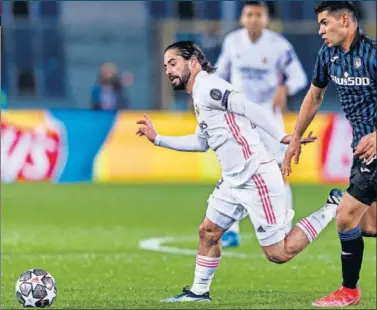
(348, 58)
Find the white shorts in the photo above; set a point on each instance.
(272, 145)
(262, 198)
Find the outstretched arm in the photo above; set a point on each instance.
(308, 110)
(188, 143)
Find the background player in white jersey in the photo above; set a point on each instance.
(263, 65)
(251, 181)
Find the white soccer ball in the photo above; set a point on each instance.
(36, 288)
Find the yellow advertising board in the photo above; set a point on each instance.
(309, 168)
(125, 157)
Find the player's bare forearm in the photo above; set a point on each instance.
(308, 110)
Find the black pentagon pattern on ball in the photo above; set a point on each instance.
(19, 297)
(39, 272)
(48, 282)
(25, 288)
(39, 292)
(42, 303)
(25, 276)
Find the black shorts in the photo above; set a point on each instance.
(363, 182)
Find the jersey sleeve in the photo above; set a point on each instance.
(320, 74)
(291, 68)
(225, 98)
(223, 64)
(213, 93)
(188, 143)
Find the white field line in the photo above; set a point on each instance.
(157, 245)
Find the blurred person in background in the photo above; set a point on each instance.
(109, 93)
(263, 65)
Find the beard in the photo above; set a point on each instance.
(182, 81)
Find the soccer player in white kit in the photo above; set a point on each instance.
(263, 65)
(251, 182)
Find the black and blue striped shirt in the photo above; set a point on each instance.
(354, 75)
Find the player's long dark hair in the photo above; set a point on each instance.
(188, 49)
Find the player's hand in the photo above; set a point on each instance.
(279, 101)
(147, 130)
(366, 149)
(294, 150)
(308, 139)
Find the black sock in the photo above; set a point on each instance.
(364, 234)
(352, 256)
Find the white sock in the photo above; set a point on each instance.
(204, 271)
(235, 227)
(317, 221)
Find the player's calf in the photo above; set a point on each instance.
(207, 261)
(209, 256)
(349, 213)
(348, 216)
(210, 238)
(305, 231)
(288, 248)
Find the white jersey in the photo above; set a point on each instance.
(257, 69)
(226, 125)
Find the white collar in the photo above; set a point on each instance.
(200, 75)
(248, 42)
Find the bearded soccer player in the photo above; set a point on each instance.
(251, 182)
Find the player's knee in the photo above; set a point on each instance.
(278, 258)
(278, 255)
(342, 222)
(344, 219)
(349, 213)
(209, 232)
(275, 259)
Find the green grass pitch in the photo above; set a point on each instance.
(87, 236)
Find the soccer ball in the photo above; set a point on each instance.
(36, 288)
